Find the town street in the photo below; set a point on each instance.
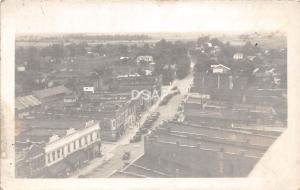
(116, 149)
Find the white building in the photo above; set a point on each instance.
(146, 58)
(59, 148)
(238, 56)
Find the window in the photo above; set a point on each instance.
(95, 135)
(69, 148)
(80, 143)
(113, 124)
(74, 146)
(49, 158)
(83, 141)
(88, 139)
(58, 153)
(91, 136)
(53, 156)
(77, 143)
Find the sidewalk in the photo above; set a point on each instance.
(94, 164)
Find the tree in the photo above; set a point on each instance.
(182, 71)
(202, 40)
(216, 42)
(32, 57)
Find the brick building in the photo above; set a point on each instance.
(185, 150)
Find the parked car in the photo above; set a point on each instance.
(126, 155)
(155, 115)
(136, 138)
(174, 88)
(177, 92)
(143, 130)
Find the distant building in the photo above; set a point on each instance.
(90, 89)
(205, 110)
(116, 111)
(238, 56)
(220, 69)
(220, 78)
(51, 94)
(25, 105)
(21, 68)
(133, 83)
(145, 58)
(70, 100)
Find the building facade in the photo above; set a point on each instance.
(57, 155)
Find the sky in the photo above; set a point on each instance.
(93, 16)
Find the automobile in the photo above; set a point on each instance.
(176, 117)
(155, 115)
(126, 155)
(177, 92)
(147, 125)
(163, 102)
(136, 138)
(143, 130)
(125, 164)
(150, 121)
(179, 108)
(174, 88)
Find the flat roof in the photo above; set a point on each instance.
(51, 91)
(213, 143)
(254, 139)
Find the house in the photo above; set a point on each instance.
(220, 69)
(21, 68)
(251, 58)
(144, 58)
(238, 56)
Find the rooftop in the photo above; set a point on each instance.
(214, 132)
(51, 92)
(26, 102)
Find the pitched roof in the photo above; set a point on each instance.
(26, 102)
(220, 65)
(51, 91)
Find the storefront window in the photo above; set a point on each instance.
(58, 153)
(49, 158)
(53, 156)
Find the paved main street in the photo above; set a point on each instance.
(113, 151)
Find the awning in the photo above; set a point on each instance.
(78, 156)
(58, 169)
